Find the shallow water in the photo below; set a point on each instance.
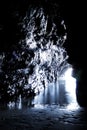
(62, 92)
(43, 117)
(52, 109)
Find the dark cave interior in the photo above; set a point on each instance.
(74, 14)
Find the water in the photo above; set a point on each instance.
(62, 93)
(48, 96)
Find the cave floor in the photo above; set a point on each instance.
(43, 117)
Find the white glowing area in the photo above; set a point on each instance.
(70, 88)
(62, 92)
(68, 73)
(70, 85)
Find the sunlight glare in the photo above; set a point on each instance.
(70, 87)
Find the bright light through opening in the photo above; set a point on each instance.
(68, 73)
(70, 87)
(63, 92)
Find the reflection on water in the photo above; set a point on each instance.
(61, 93)
(17, 104)
(48, 96)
